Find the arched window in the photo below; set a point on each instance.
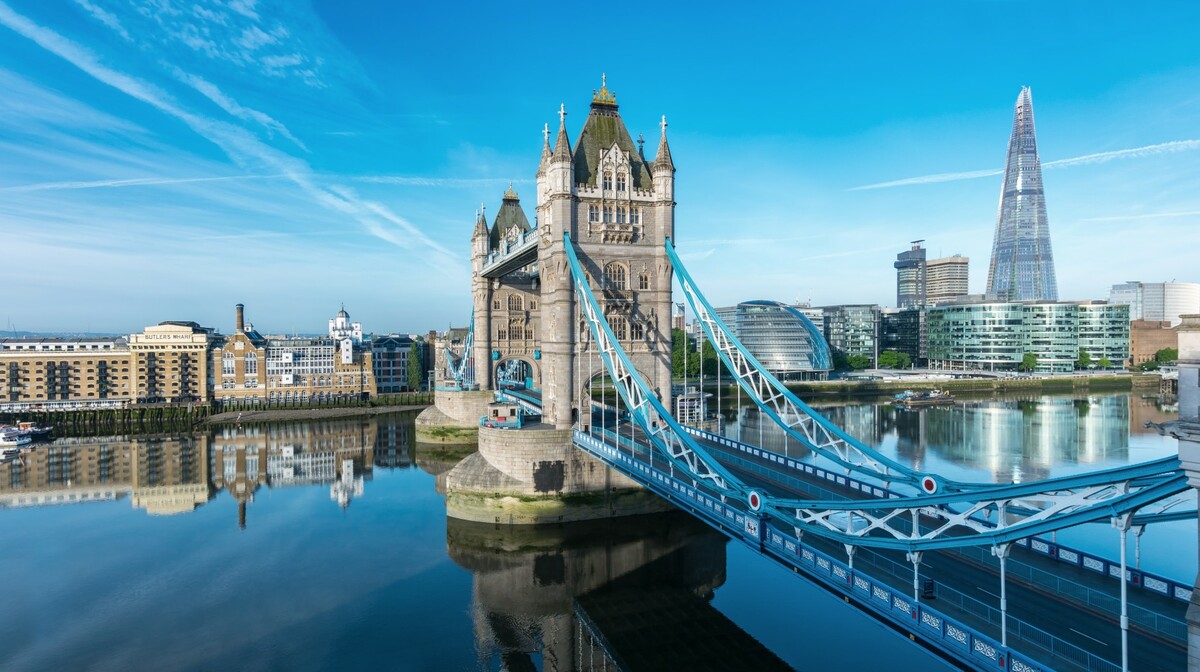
(621, 214)
(621, 182)
(615, 274)
(607, 180)
(643, 280)
(515, 302)
(533, 304)
(496, 303)
(227, 364)
(635, 330)
(501, 333)
(593, 213)
(608, 215)
(251, 364)
(517, 331)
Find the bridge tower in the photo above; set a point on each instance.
(618, 208)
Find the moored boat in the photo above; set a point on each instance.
(11, 436)
(924, 398)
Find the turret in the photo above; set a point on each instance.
(664, 167)
(479, 237)
(561, 171)
(544, 164)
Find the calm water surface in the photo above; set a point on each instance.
(323, 545)
(1017, 439)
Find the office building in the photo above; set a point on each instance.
(389, 358)
(1022, 264)
(171, 363)
(946, 279)
(853, 330)
(910, 277)
(1157, 301)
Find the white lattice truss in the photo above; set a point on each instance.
(999, 516)
(643, 406)
(771, 396)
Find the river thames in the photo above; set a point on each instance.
(325, 544)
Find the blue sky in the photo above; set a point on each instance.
(168, 159)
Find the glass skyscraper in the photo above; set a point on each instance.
(1022, 266)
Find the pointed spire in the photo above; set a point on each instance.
(662, 160)
(562, 144)
(481, 227)
(547, 154)
(510, 195)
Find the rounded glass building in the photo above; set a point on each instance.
(781, 338)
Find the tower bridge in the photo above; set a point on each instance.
(583, 293)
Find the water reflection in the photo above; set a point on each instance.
(165, 475)
(1017, 439)
(584, 595)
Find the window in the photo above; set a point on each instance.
(635, 330)
(251, 364)
(615, 274)
(608, 182)
(635, 216)
(227, 364)
(608, 214)
(501, 334)
(516, 331)
(621, 182)
(496, 303)
(621, 214)
(593, 213)
(515, 302)
(533, 304)
(644, 280)
(618, 326)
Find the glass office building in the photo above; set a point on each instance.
(781, 338)
(996, 336)
(1022, 266)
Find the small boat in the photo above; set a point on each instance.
(924, 398)
(34, 431)
(11, 436)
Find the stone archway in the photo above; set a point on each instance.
(517, 371)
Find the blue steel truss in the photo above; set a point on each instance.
(460, 371)
(995, 515)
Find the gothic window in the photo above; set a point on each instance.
(529, 333)
(496, 303)
(227, 364)
(635, 330)
(615, 273)
(644, 280)
(516, 331)
(607, 180)
(593, 213)
(608, 213)
(621, 214)
(635, 216)
(621, 182)
(251, 364)
(515, 302)
(618, 326)
(501, 334)
(533, 304)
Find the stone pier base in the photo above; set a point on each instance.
(453, 418)
(534, 475)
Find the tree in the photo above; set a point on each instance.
(1085, 359)
(1105, 363)
(416, 372)
(1148, 365)
(1028, 363)
(1166, 355)
(858, 362)
(891, 359)
(708, 356)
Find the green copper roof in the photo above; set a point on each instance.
(510, 215)
(602, 129)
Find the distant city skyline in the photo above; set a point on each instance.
(168, 161)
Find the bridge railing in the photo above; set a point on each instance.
(1136, 578)
(964, 642)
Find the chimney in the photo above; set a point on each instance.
(241, 320)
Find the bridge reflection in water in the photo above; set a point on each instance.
(634, 594)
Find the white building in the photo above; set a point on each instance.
(1157, 301)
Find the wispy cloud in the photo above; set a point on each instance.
(213, 93)
(1088, 159)
(104, 16)
(1150, 215)
(132, 182)
(412, 181)
(240, 145)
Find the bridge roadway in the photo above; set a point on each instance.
(1082, 628)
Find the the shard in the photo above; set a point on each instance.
(1022, 267)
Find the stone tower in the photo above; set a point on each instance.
(619, 209)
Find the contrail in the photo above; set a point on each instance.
(132, 182)
(1087, 159)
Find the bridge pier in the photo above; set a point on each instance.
(535, 475)
(454, 417)
(1187, 431)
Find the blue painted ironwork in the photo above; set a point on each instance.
(512, 256)
(459, 370)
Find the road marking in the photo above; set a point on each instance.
(989, 593)
(1098, 641)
